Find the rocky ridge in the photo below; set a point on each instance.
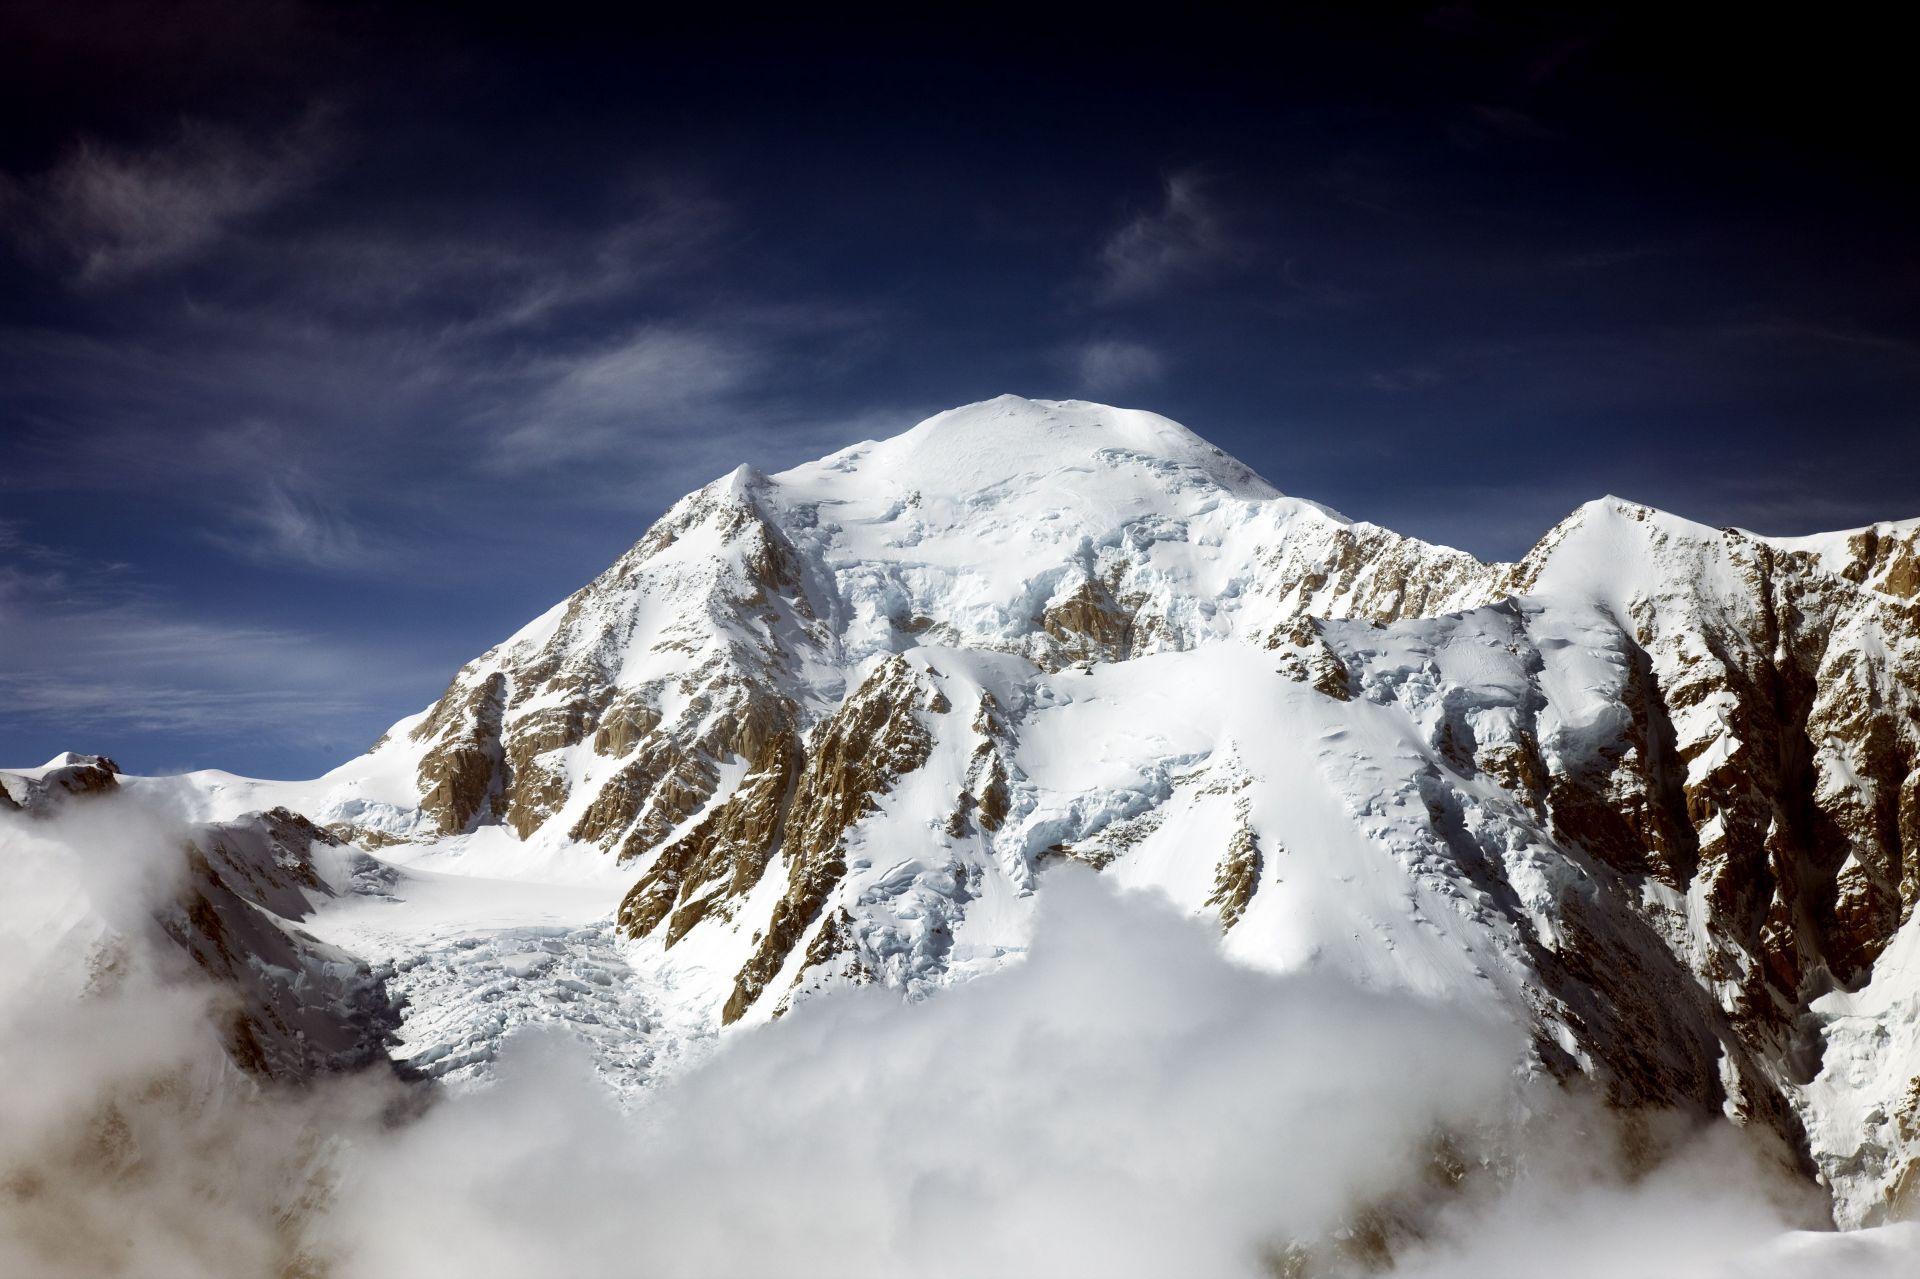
(288, 1005)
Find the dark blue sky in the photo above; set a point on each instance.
(336, 342)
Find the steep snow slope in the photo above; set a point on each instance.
(1653, 789)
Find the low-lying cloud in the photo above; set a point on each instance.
(1124, 1102)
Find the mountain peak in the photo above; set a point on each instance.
(1011, 442)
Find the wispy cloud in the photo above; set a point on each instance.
(1109, 365)
(594, 403)
(502, 278)
(1797, 331)
(1485, 126)
(93, 651)
(358, 443)
(1184, 236)
(277, 510)
(660, 367)
(106, 213)
(1410, 377)
(282, 524)
(670, 231)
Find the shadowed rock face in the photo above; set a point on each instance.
(291, 1008)
(461, 777)
(1766, 771)
(1789, 803)
(299, 1007)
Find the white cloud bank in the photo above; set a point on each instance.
(1124, 1103)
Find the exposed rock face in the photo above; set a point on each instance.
(1769, 767)
(1359, 570)
(724, 856)
(1306, 658)
(1655, 788)
(797, 802)
(987, 795)
(299, 1008)
(1884, 557)
(1236, 878)
(461, 774)
(1088, 625)
(871, 742)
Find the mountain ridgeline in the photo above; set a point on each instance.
(1653, 789)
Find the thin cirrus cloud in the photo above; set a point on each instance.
(89, 647)
(669, 234)
(659, 377)
(281, 523)
(1185, 236)
(499, 279)
(106, 214)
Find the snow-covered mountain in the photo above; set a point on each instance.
(1654, 789)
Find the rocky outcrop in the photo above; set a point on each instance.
(296, 1007)
(1306, 658)
(1778, 705)
(643, 719)
(985, 793)
(1763, 776)
(462, 775)
(1236, 877)
(1087, 625)
(1885, 558)
(1340, 570)
(856, 756)
(65, 776)
(722, 857)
